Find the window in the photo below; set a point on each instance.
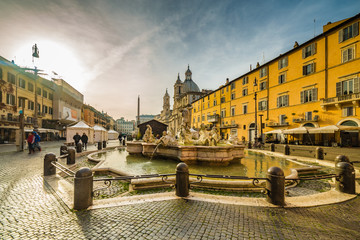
(308, 116)
(50, 110)
(21, 102)
(309, 95)
(30, 105)
(38, 108)
(308, 69)
(245, 109)
(233, 96)
(263, 72)
(282, 78)
(214, 94)
(349, 32)
(222, 91)
(283, 101)
(245, 92)
(45, 109)
(346, 87)
(215, 102)
(222, 100)
(38, 91)
(11, 78)
(348, 111)
(10, 99)
(203, 117)
(30, 87)
(309, 50)
(223, 113)
(22, 83)
(283, 62)
(232, 111)
(194, 110)
(208, 104)
(198, 118)
(194, 119)
(45, 94)
(282, 119)
(262, 85)
(348, 54)
(232, 85)
(262, 105)
(245, 80)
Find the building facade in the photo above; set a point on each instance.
(21, 89)
(125, 127)
(165, 114)
(315, 84)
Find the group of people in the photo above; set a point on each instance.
(84, 139)
(33, 141)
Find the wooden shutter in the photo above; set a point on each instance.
(304, 70)
(356, 85)
(341, 35)
(286, 100)
(302, 95)
(338, 89)
(313, 68)
(277, 101)
(286, 61)
(344, 56)
(355, 29)
(303, 52)
(314, 94)
(313, 48)
(279, 64)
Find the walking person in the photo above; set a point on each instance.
(77, 139)
(37, 141)
(30, 141)
(84, 140)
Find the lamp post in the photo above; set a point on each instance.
(261, 127)
(255, 98)
(22, 123)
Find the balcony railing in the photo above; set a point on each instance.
(277, 124)
(343, 98)
(301, 120)
(213, 118)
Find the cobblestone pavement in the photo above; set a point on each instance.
(30, 210)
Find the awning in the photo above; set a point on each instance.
(277, 131)
(332, 129)
(299, 130)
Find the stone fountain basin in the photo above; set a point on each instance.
(217, 155)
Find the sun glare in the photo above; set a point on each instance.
(53, 57)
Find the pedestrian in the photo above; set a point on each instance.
(84, 140)
(30, 141)
(120, 138)
(77, 139)
(37, 141)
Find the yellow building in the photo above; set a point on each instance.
(315, 85)
(18, 90)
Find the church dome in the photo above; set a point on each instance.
(190, 86)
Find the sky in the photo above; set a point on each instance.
(114, 51)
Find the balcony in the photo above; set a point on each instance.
(213, 118)
(302, 120)
(353, 98)
(276, 124)
(229, 126)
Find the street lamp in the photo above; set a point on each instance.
(255, 98)
(261, 127)
(22, 122)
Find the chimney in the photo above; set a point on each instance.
(227, 80)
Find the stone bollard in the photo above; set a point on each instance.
(104, 144)
(99, 145)
(275, 186)
(345, 180)
(63, 150)
(272, 147)
(182, 180)
(341, 158)
(319, 153)
(49, 169)
(124, 142)
(71, 156)
(249, 145)
(287, 149)
(79, 147)
(83, 188)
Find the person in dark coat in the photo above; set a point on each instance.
(84, 140)
(77, 138)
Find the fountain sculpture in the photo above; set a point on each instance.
(190, 147)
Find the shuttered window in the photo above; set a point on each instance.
(309, 50)
(262, 105)
(283, 101)
(11, 78)
(308, 69)
(282, 78)
(309, 95)
(10, 99)
(349, 86)
(283, 63)
(348, 111)
(349, 32)
(348, 54)
(263, 72)
(245, 109)
(263, 85)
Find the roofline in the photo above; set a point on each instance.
(284, 54)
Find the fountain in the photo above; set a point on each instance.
(204, 146)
